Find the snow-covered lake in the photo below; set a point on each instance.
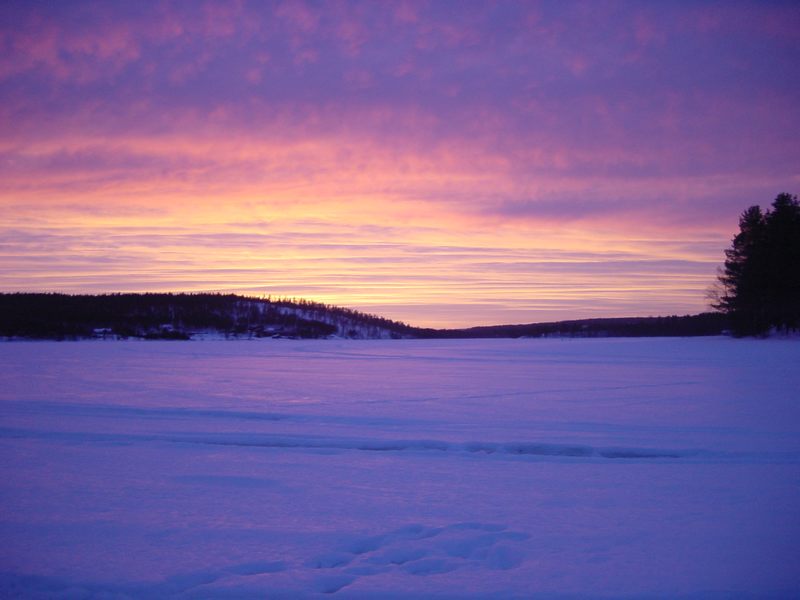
(407, 469)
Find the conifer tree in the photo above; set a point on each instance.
(761, 278)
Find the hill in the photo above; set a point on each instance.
(198, 316)
(183, 316)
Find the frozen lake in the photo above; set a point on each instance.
(408, 469)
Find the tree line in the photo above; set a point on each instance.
(179, 316)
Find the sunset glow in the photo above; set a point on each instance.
(440, 163)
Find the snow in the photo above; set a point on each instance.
(400, 469)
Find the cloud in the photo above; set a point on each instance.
(379, 152)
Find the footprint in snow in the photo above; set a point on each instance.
(421, 551)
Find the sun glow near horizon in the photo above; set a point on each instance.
(433, 163)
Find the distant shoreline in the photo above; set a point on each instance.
(168, 316)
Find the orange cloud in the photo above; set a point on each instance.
(439, 166)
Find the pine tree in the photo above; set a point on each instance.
(761, 278)
(783, 262)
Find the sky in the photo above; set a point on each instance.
(440, 163)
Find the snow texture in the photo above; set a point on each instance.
(400, 469)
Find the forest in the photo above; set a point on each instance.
(180, 317)
(187, 316)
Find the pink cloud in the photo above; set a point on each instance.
(646, 32)
(351, 29)
(298, 15)
(516, 131)
(100, 44)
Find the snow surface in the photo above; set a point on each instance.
(400, 469)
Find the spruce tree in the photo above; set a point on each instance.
(761, 278)
(783, 262)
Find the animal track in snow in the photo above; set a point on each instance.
(421, 551)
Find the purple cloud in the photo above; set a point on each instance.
(574, 118)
